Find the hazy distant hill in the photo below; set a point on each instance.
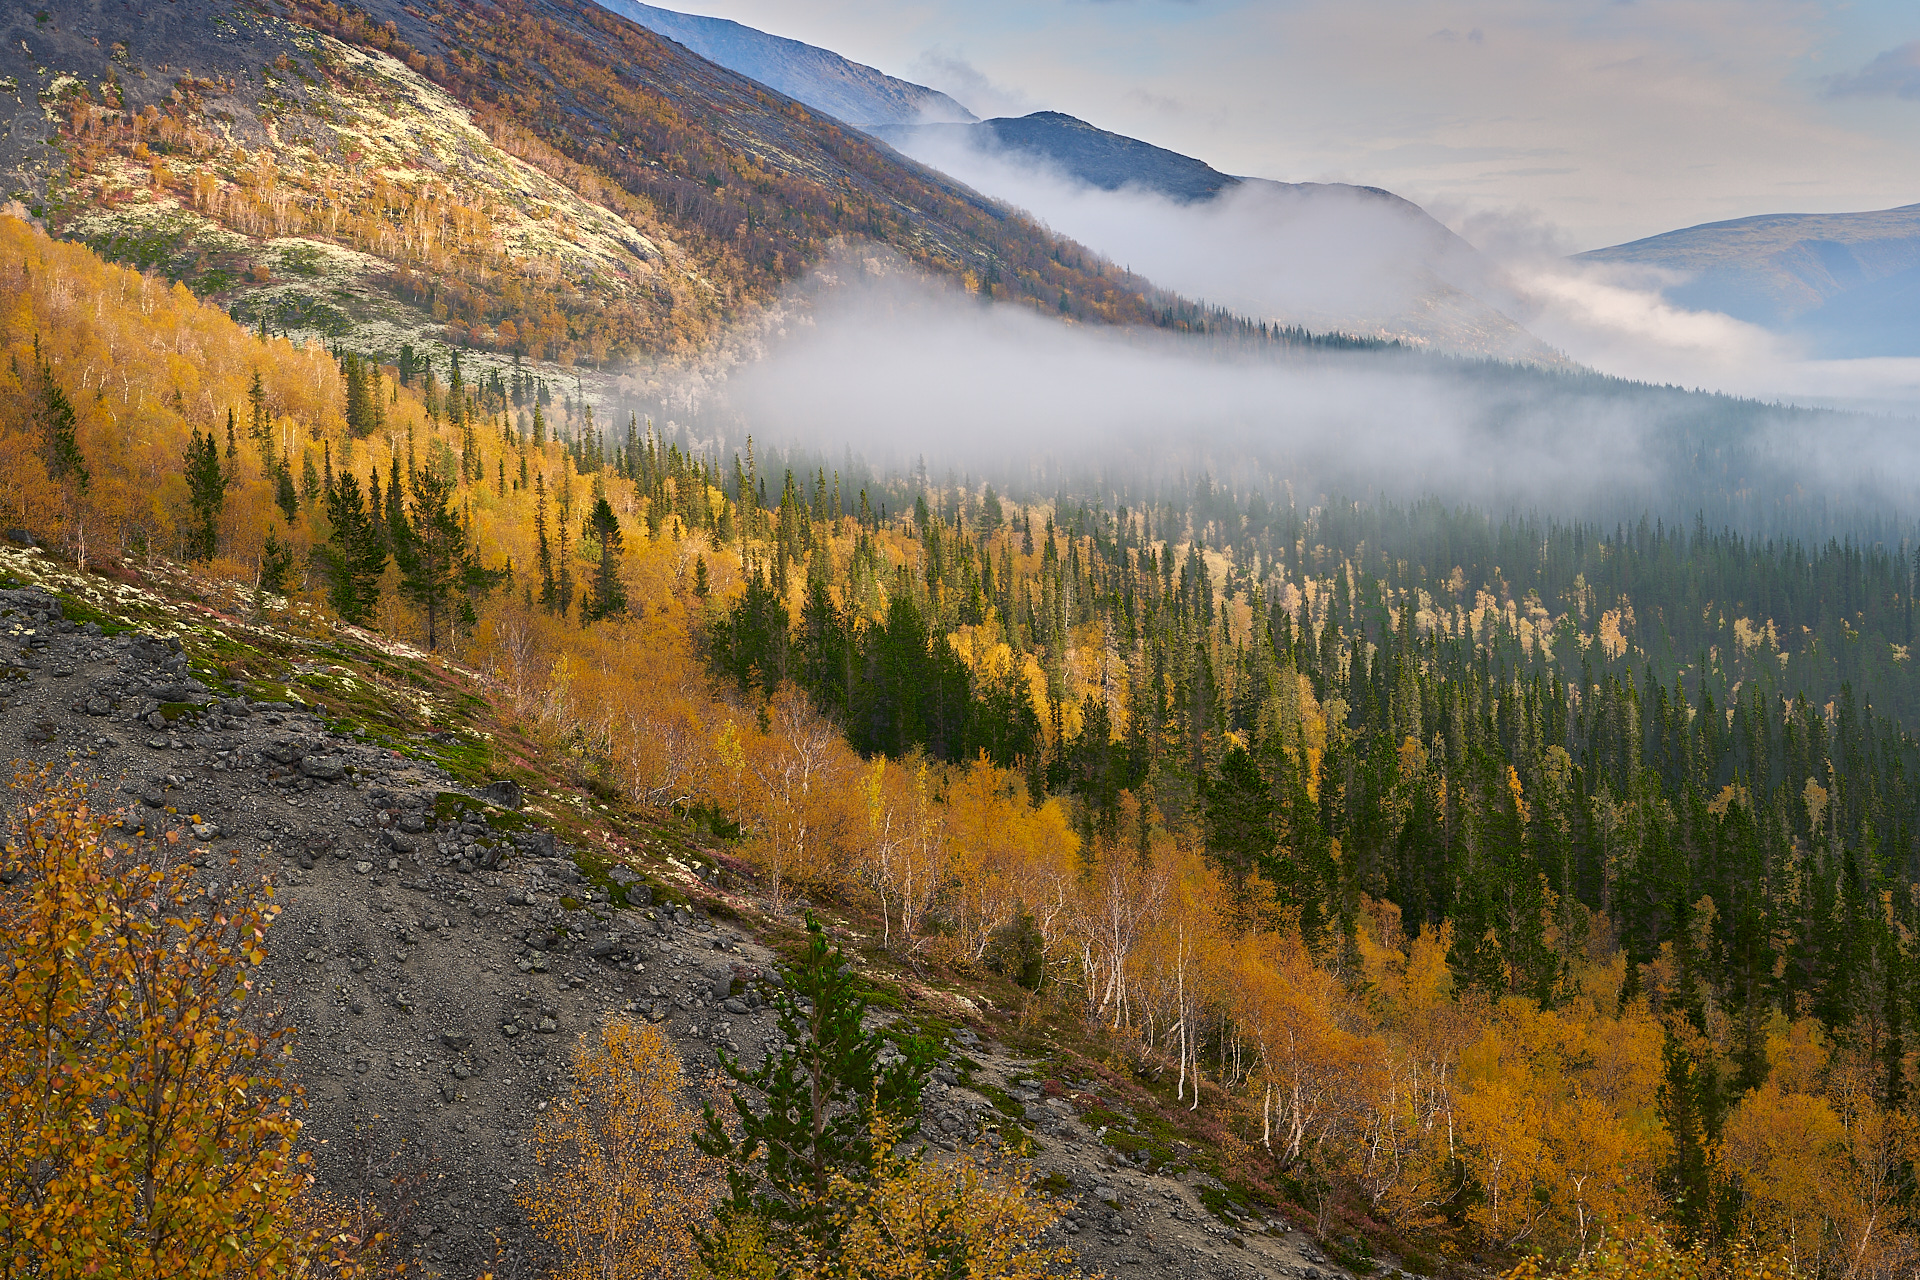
(822, 79)
(1323, 255)
(1849, 282)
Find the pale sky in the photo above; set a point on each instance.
(1577, 123)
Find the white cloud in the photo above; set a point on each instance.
(1613, 120)
(953, 75)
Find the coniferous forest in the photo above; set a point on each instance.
(1495, 878)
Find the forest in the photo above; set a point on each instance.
(1504, 881)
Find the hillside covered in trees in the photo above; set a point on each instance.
(1475, 885)
(542, 181)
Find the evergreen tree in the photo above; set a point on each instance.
(355, 555)
(549, 594)
(360, 405)
(435, 555)
(207, 492)
(59, 427)
(1239, 815)
(276, 564)
(609, 595)
(309, 477)
(284, 495)
(820, 1093)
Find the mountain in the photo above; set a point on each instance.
(825, 81)
(1849, 283)
(539, 179)
(1320, 255)
(1095, 156)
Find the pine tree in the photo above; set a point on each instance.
(59, 427)
(549, 596)
(309, 477)
(276, 564)
(609, 595)
(821, 1092)
(355, 555)
(436, 555)
(284, 495)
(360, 410)
(207, 492)
(257, 409)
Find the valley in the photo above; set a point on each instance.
(631, 648)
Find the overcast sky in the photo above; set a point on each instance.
(1583, 122)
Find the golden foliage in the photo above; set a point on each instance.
(917, 1218)
(624, 1184)
(145, 1130)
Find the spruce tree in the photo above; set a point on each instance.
(360, 411)
(355, 556)
(436, 555)
(549, 595)
(276, 564)
(59, 427)
(609, 595)
(819, 1096)
(284, 495)
(207, 492)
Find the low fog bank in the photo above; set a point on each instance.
(1324, 257)
(1330, 257)
(876, 360)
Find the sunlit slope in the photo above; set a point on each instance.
(545, 180)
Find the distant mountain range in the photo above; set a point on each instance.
(825, 81)
(1848, 283)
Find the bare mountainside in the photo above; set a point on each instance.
(446, 935)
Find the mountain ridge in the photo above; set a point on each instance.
(824, 80)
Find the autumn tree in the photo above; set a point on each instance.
(146, 1131)
(622, 1184)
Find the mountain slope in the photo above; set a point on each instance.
(541, 179)
(1320, 255)
(1849, 282)
(825, 81)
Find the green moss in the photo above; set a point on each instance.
(174, 710)
(74, 609)
(1054, 1184)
